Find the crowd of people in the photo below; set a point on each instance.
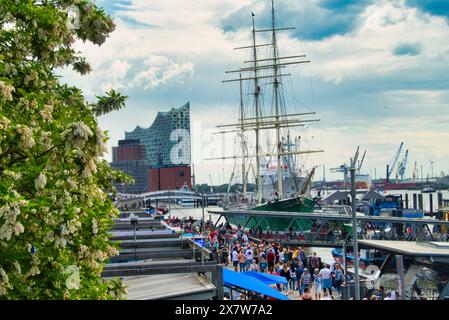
(302, 273)
(308, 275)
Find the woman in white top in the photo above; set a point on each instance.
(254, 266)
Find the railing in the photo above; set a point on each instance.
(426, 294)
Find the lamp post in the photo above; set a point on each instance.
(134, 221)
(354, 235)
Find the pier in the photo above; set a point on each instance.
(150, 253)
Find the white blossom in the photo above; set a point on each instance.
(6, 91)
(4, 123)
(40, 182)
(18, 228)
(94, 226)
(26, 137)
(46, 112)
(12, 174)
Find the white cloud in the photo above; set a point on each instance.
(186, 46)
(161, 70)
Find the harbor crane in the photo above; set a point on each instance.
(403, 165)
(344, 168)
(415, 172)
(211, 184)
(390, 168)
(360, 162)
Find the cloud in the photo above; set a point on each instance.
(114, 79)
(433, 7)
(161, 70)
(355, 72)
(407, 49)
(314, 20)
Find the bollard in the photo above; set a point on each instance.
(420, 202)
(440, 199)
(415, 206)
(431, 203)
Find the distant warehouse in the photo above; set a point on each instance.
(158, 157)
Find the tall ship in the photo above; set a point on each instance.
(282, 183)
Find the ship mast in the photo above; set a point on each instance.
(269, 122)
(276, 101)
(242, 138)
(258, 179)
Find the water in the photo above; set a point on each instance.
(426, 198)
(196, 213)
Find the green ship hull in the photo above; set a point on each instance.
(274, 224)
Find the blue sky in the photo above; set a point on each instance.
(378, 75)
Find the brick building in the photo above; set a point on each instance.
(157, 157)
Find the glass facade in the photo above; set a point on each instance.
(167, 140)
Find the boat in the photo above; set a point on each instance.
(427, 189)
(392, 206)
(282, 184)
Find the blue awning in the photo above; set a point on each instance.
(250, 283)
(266, 277)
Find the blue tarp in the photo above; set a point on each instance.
(266, 277)
(249, 283)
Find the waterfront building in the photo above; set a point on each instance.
(129, 157)
(157, 157)
(167, 140)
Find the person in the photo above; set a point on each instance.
(245, 238)
(249, 257)
(295, 254)
(293, 279)
(314, 261)
(254, 266)
(302, 257)
(380, 293)
(326, 278)
(282, 256)
(227, 237)
(256, 254)
(369, 231)
(263, 264)
(338, 278)
(235, 258)
(325, 295)
(305, 280)
(317, 283)
(307, 295)
(299, 272)
(225, 256)
(270, 259)
(285, 272)
(393, 295)
(242, 261)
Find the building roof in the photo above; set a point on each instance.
(246, 282)
(160, 115)
(336, 196)
(167, 286)
(409, 248)
(372, 195)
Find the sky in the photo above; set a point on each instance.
(378, 75)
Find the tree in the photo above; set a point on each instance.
(54, 209)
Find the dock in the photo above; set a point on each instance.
(156, 263)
